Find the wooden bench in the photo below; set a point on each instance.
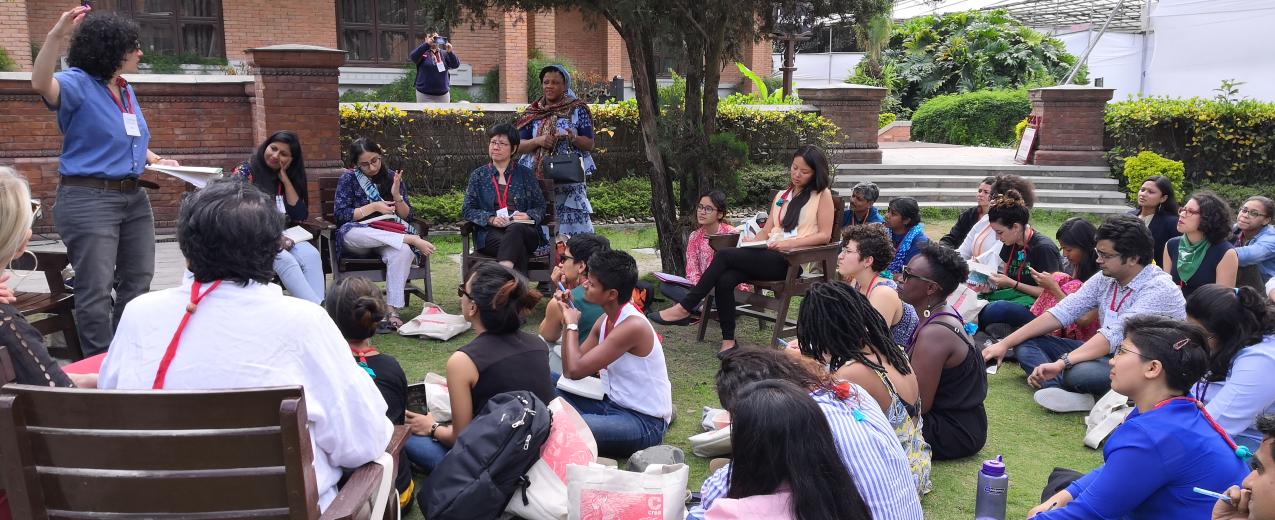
(74, 453)
(52, 311)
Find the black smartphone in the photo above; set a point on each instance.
(86, 3)
(416, 398)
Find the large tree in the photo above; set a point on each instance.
(713, 33)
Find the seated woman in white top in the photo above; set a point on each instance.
(229, 328)
(638, 404)
(1237, 388)
(981, 244)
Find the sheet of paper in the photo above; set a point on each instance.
(298, 234)
(673, 279)
(197, 176)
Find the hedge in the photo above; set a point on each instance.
(439, 147)
(1236, 195)
(1230, 142)
(983, 118)
(1139, 168)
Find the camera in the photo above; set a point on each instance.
(440, 41)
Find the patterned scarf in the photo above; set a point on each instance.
(374, 194)
(1190, 256)
(905, 247)
(549, 113)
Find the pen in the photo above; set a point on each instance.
(1213, 494)
(568, 295)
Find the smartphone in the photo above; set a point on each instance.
(416, 398)
(440, 41)
(993, 366)
(568, 295)
(86, 3)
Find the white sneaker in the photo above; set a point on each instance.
(1062, 401)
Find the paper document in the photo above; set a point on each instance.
(981, 268)
(590, 387)
(673, 279)
(760, 244)
(297, 234)
(197, 176)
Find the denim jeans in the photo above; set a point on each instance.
(1004, 312)
(110, 240)
(1090, 377)
(618, 431)
(301, 271)
(424, 452)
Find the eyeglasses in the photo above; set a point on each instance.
(460, 292)
(907, 274)
(376, 161)
(564, 258)
(1252, 213)
(1122, 350)
(848, 251)
(1188, 211)
(705, 209)
(1105, 256)
(498, 144)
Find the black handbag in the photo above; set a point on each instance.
(564, 168)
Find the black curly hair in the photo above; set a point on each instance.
(229, 230)
(1215, 216)
(744, 365)
(1009, 209)
(1129, 236)
(101, 42)
(949, 269)
(1004, 183)
(871, 241)
(838, 324)
(1236, 317)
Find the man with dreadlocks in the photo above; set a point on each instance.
(838, 326)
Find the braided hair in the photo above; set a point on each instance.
(838, 324)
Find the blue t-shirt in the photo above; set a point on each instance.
(94, 142)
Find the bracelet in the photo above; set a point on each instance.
(432, 430)
(1016, 285)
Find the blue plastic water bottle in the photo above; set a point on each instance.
(993, 491)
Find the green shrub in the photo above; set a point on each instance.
(1235, 195)
(885, 119)
(1222, 141)
(438, 209)
(172, 63)
(401, 90)
(6, 63)
(491, 86)
(629, 197)
(754, 185)
(1148, 164)
(983, 118)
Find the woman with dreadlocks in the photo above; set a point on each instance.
(852, 338)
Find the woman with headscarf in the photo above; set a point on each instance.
(559, 123)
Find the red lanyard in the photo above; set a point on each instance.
(195, 298)
(1114, 290)
(122, 102)
(783, 201)
(502, 199)
(872, 284)
(1018, 276)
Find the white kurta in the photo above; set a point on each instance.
(981, 244)
(254, 336)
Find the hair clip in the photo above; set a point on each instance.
(1237, 291)
(1181, 343)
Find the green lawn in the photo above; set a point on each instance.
(1032, 440)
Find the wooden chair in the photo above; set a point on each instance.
(7, 373)
(368, 267)
(73, 453)
(539, 268)
(56, 308)
(774, 308)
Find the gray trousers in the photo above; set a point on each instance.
(110, 239)
(422, 97)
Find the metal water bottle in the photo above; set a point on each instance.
(993, 491)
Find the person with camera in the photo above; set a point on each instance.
(433, 58)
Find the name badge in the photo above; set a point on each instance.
(278, 203)
(502, 213)
(130, 125)
(442, 67)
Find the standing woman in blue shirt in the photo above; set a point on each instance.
(1168, 445)
(102, 213)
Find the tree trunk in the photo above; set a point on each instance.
(693, 138)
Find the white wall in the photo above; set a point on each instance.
(1198, 43)
(1117, 59)
(817, 69)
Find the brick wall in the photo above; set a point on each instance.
(311, 22)
(41, 15)
(513, 57)
(15, 32)
(478, 45)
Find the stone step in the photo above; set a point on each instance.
(969, 183)
(980, 171)
(928, 195)
(1097, 209)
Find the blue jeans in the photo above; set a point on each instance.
(1089, 377)
(1008, 313)
(618, 431)
(301, 271)
(425, 452)
(110, 240)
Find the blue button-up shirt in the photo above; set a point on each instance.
(94, 142)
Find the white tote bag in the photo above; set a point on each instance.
(597, 492)
(434, 323)
(437, 398)
(570, 442)
(1107, 415)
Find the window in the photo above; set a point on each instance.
(383, 32)
(176, 27)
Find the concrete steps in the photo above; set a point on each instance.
(1079, 189)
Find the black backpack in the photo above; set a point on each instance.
(490, 459)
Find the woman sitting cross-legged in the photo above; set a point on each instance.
(357, 307)
(838, 328)
(710, 214)
(903, 226)
(786, 463)
(496, 301)
(505, 201)
(1202, 255)
(1078, 239)
(1237, 388)
(948, 367)
(865, 252)
(278, 169)
(800, 216)
(371, 191)
(1166, 446)
(1024, 253)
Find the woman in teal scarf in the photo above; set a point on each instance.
(1202, 255)
(903, 224)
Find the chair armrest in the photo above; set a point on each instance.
(316, 225)
(723, 241)
(467, 227)
(422, 226)
(355, 498)
(802, 255)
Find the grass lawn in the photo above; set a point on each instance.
(1033, 440)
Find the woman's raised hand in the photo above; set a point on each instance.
(69, 20)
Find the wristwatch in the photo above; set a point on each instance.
(433, 429)
(573, 326)
(1066, 359)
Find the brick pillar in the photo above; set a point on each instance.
(854, 109)
(543, 33)
(617, 59)
(757, 57)
(15, 36)
(1071, 125)
(296, 89)
(512, 61)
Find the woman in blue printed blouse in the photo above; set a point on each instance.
(505, 201)
(559, 123)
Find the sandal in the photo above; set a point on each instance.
(390, 323)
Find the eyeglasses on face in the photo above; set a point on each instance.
(705, 209)
(1252, 213)
(846, 250)
(460, 292)
(498, 143)
(375, 161)
(1188, 211)
(1105, 256)
(1122, 350)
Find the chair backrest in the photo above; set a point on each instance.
(327, 198)
(73, 453)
